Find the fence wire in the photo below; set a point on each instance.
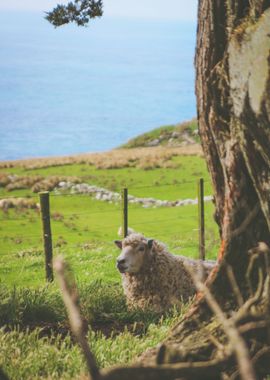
(65, 229)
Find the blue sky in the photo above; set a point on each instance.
(154, 9)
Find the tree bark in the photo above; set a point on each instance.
(233, 104)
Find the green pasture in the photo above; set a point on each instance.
(160, 183)
(83, 231)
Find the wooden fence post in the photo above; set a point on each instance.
(125, 212)
(201, 219)
(44, 198)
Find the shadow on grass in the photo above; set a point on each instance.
(102, 305)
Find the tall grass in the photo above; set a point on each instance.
(29, 352)
(101, 304)
(27, 355)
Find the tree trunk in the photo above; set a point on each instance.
(233, 103)
(226, 332)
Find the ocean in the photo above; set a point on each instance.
(72, 90)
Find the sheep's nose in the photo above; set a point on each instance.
(121, 265)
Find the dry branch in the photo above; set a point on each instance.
(71, 301)
(236, 341)
(234, 285)
(191, 370)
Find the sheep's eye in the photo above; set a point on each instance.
(141, 249)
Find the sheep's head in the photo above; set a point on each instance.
(135, 252)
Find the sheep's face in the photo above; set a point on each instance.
(133, 258)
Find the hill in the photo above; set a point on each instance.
(178, 135)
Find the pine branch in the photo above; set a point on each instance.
(78, 11)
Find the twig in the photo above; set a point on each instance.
(234, 285)
(71, 301)
(251, 301)
(249, 270)
(263, 351)
(216, 343)
(199, 370)
(254, 325)
(264, 249)
(246, 222)
(237, 342)
(267, 312)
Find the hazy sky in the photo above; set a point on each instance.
(159, 9)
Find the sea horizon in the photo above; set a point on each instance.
(79, 90)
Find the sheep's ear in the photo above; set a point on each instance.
(150, 243)
(118, 243)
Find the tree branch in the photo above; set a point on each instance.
(234, 285)
(237, 343)
(78, 11)
(199, 370)
(71, 301)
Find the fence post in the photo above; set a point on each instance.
(201, 219)
(125, 212)
(44, 198)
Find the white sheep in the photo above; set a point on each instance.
(152, 277)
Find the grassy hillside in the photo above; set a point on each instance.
(84, 228)
(83, 231)
(181, 134)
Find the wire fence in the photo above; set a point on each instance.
(76, 229)
(62, 193)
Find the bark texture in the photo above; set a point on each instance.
(233, 103)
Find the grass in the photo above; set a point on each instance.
(83, 228)
(163, 183)
(164, 134)
(35, 341)
(83, 232)
(29, 352)
(102, 304)
(26, 355)
(143, 158)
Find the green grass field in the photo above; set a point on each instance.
(84, 229)
(83, 232)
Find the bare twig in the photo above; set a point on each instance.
(71, 300)
(216, 343)
(234, 285)
(252, 261)
(267, 311)
(264, 249)
(250, 326)
(246, 222)
(191, 370)
(252, 300)
(262, 352)
(237, 342)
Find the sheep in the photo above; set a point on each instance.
(152, 277)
